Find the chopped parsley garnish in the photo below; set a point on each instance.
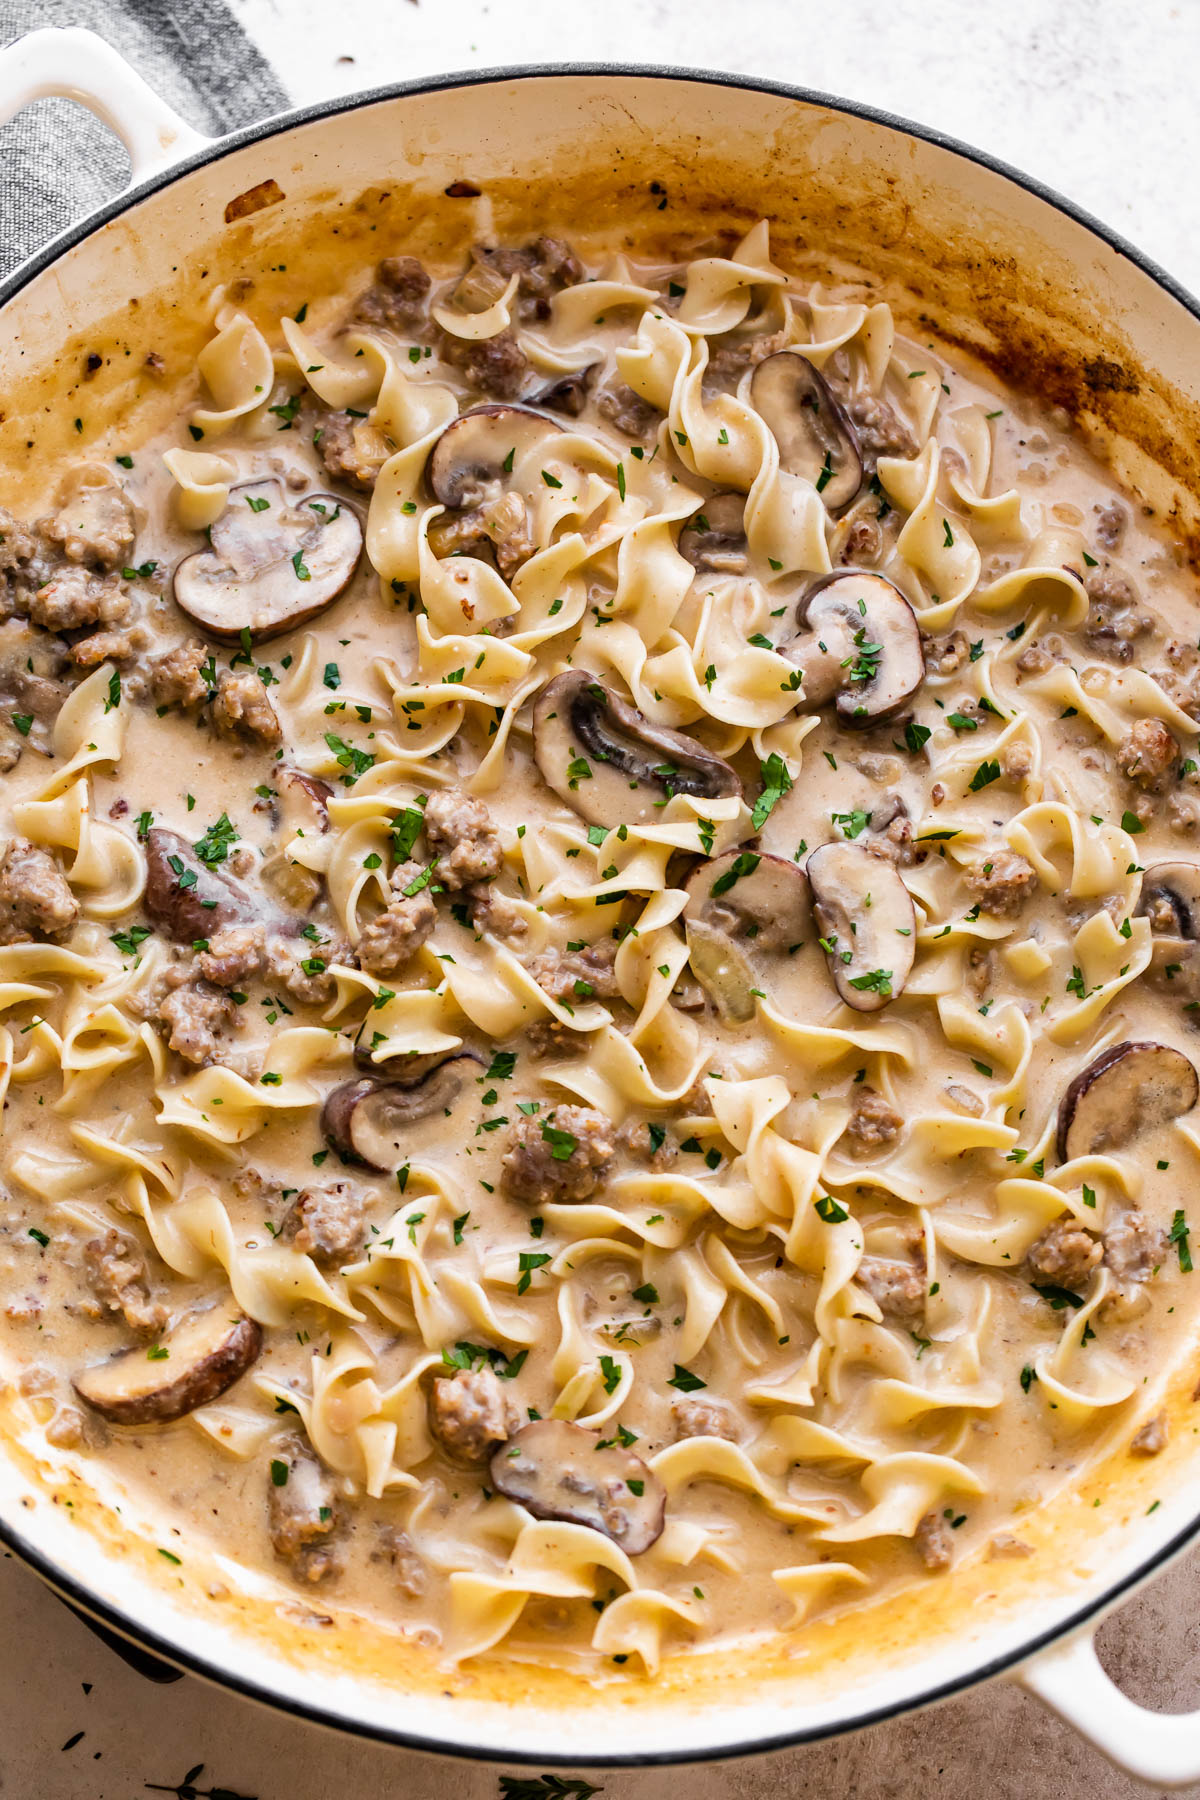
(776, 783)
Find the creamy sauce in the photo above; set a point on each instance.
(818, 1266)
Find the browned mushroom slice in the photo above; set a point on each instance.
(1127, 1090)
(300, 808)
(741, 905)
(371, 1120)
(607, 761)
(473, 459)
(865, 916)
(858, 641)
(560, 1471)
(1170, 899)
(275, 562)
(715, 535)
(184, 897)
(203, 1354)
(815, 437)
(569, 394)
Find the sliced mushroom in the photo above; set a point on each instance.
(1128, 1089)
(859, 641)
(201, 1356)
(607, 761)
(868, 927)
(715, 535)
(275, 563)
(1171, 901)
(740, 904)
(556, 1470)
(814, 434)
(300, 808)
(569, 394)
(474, 457)
(370, 1120)
(184, 897)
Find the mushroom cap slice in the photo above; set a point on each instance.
(475, 455)
(370, 1120)
(556, 1470)
(859, 640)
(202, 1354)
(740, 903)
(275, 562)
(715, 535)
(607, 761)
(1171, 893)
(184, 897)
(815, 437)
(1130, 1088)
(865, 916)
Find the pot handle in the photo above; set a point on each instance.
(1161, 1748)
(74, 64)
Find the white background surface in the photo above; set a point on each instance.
(1096, 98)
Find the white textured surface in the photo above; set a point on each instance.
(1090, 97)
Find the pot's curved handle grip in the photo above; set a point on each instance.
(73, 64)
(1161, 1748)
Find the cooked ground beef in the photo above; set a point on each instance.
(234, 956)
(342, 455)
(398, 297)
(73, 596)
(496, 912)
(109, 646)
(934, 1542)
(703, 1418)
(242, 709)
(197, 1015)
(397, 933)
(896, 1287)
(285, 962)
(1064, 1256)
(562, 1155)
(543, 269)
(863, 542)
(1147, 754)
(1001, 882)
(35, 900)
(94, 524)
(117, 1275)
(328, 1224)
(460, 833)
(302, 1511)
(470, 1413)
(497, 366)
(1151, 1440)
(945, 655)
(1114, 622)
(578, 975)
(396, 1548)
(872, 1122)
(651, 1145)
(18, 545)
(550, 1037)
(1133, 1247)
(728, 361)
(1111, 523)
(176, 678)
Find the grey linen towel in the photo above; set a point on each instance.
(57, 162)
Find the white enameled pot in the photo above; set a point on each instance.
(1008, 270)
